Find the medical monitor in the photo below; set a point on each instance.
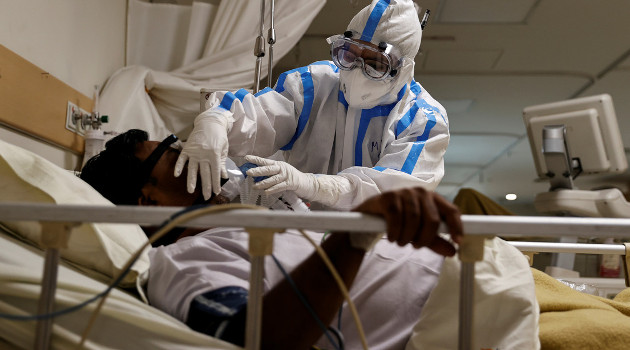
(592, 135)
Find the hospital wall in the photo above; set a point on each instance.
(80, 42)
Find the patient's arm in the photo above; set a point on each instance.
(286, 322)
(412, 215)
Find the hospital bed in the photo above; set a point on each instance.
(36, 191)
(98, 251)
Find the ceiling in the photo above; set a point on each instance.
(486, 60)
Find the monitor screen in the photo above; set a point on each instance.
(592, 133)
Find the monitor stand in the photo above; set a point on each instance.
(564, 199)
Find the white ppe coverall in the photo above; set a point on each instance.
(349, 135)
(389, 146)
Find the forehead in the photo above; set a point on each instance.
(145, 148)
(367, 43)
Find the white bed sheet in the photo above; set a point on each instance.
(125, 322)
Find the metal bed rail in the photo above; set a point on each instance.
(476, 228)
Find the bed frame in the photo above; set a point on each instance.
(61, 218)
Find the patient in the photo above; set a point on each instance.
(202, 278)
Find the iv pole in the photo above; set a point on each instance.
(271, 39)
(259, 48)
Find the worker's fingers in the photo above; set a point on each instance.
(267, 170)
(191, 181)
(215, 173)
(281, 187)
(270, 181)
(222, 169)
(451, 215)
(206, 184)
(258, 160)
(224, 173)
(179, 165)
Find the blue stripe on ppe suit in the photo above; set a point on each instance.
(366, 117)
(375, 17)
(322, 134)
(307, 83)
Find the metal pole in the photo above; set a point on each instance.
(580, 248)
(46, 299)
(254, 303)
(466, 301)
(260, 245)
(259, 48)
(271, 39)
(474, 225)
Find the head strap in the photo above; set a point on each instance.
(146, 167)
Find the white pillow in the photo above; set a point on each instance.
(104, 248)
(505, 308)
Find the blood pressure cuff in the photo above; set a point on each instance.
(220, 313)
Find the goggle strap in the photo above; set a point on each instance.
(146, 167)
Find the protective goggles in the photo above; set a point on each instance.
(146, 167)
(377, 63)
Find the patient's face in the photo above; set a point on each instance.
(163, 188)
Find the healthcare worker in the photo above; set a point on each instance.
(349, 129)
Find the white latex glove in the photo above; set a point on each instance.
(205, 151)
(283, 176)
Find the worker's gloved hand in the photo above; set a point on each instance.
(205, 151)
(282, 176)
(413, 216)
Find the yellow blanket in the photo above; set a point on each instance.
(573, 320)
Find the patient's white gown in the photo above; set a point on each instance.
(390, 290)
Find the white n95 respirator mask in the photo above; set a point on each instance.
(364, 93)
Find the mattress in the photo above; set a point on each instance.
(125, 322)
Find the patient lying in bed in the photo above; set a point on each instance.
(201, 277)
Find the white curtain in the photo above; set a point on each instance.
(173, 51)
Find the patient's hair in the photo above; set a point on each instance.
(114, 171)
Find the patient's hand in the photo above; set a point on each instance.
(413, 215)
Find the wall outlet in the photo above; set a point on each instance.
(74, 117)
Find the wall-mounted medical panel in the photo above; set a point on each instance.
(35, 103)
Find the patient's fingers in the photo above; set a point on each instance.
(414, 216)
(429, 220)
(441, 246)
(452, 217)
(410, 218)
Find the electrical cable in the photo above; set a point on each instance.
(62, 311)
(308, 307)
(339, 336)
(339, 318)
(184, 215)
(342, 288)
